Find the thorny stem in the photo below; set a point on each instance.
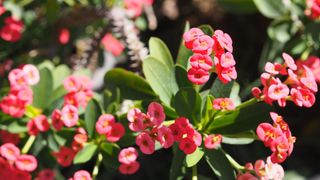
(28, 144)
(96, 166)
(194, 172)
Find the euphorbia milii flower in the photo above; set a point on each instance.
(112, 44)
(32, 128)
(203, 45)
(32, 74)
(64, 156)
(64, 36)
(82, 175)
(41, 123)
(224, 40)
(136, 119)
(227, 74)
(278, 91)
(165, 137)
(7, 137)
(9, 151)
(201, 61)
(198, 76)
(128, 155)
(56, 119)
(289, 61)
(212, 141)
(156, 113)
(187, 145)
(117, 131)
(223, 104)
(128, 169)
(26, 163)
(104, 123)
(190, 36)
(146, 143)
(46, 174)
(12, 29)
(18, 79)
(227, 60)
(69, 115)
(72, 84)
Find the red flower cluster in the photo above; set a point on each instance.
(20, 94)
(112, 44)
(135, 7)
(68, 117)
(14, 165)
(79, 91)
(220, 44)
(127, 157)
(12, 29)
(313, 63)
(212, 141)
(187, 137)
(7, 137)
(46, 174)
(150, 127)
(313, 9)
(263, 170)
(38, 124)
(81, 175)
(302, 82)
(277, 137)
(107, 125)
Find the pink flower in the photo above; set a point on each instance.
(69, 115)
(223, 104)
(183, 124)
(313, 63)
(256, 92)
(270, 68)
(198, 76)
(203, 45)
(128, 155)
(246, 176)
(224, 40)
(187, 145)
(176, 132)
(289, 61)
(199, 61)
(134, 7)
(227, 74)
(165, 137)
(10, 151)
(190, 36)
(25, 95)
(104, 123)
(117, 131)
(82, 175)
(136, 119)
(32, 74)
(128, 169)
(56, 120)
(145, 143)
(26, 163)
(12, 30)
(64, 36)
(156, 113)
(13, 106)
(227, 60)
(41, 123)
(313, 9)
(112, 44)
(212, 141)
(310, 83)
(32, 128)
(64, 156)
(18, 79)
(278, 91)
(72, 84)
(46, 174)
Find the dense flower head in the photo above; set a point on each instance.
(277, 137)
(112, 44)
(223, 104)
(107, 125)
(220, 45)
(300, 84)
(38, 124)
(69, 115)
(136, 120)
(46, 174)
(12, 29)
(64, 156)
(156, 113)
(7, 137)
(313, 9)
(79, 141)
(313, 63)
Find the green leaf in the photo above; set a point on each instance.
(194, 158)
(160, 50)
(187, 103)
(17, 127)
(248, 119)
(107, 147)
(207, 29)
(234, 94)
(219, 90)
(59, 74)
(238, 7)
(46, 64)
(85, 154)
(280, 30)
(43, 90)
(131, 86)
(182, 77)
(224, 119)
(208, 110)
(91, 115)
(160, 78)
(219, 164)
(271, 8)
(58, 93)
(184, 53)
(245, 137)
(176, 171)
(52, 143)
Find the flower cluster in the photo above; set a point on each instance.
(313, 63)
(313, 9)
(187, 137)
(14, 165)
(7, 137)
(81, 175)
(68, 116)
(212, 141)
(135, 7)
(150, 127)
(38, 124)
(20, 94)
(220, 45)
(79, 91)
(112, 44)
(263, 170)
(107, 125)
(277, 137)
(46, 174)
(127, 157)
(223, 104)
(302, 82)
(12, 29)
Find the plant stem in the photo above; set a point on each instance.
(233, 162)
(194, 172)
(96, 166)
(28, 144)
(248, 103)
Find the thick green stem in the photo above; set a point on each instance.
(194, 172)
(96, 166)
(250, 102)
(233, 162)
(28, 144)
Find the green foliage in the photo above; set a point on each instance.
(85, 154)
(270, 8)
(219, 164)
(220, 90)
(176, 169)
(91, 115)
(194, 158)
(43, 90)
(159, 50)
